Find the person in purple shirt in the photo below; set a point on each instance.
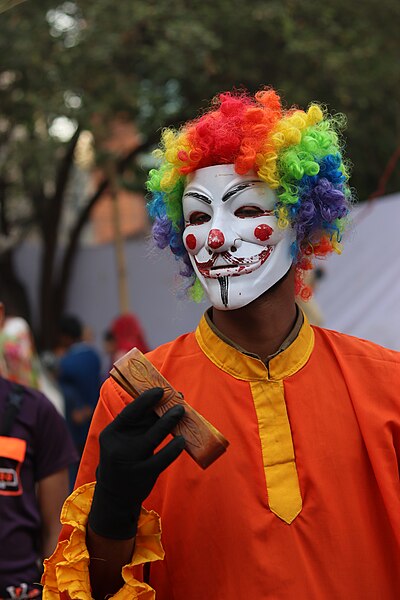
(35, 453)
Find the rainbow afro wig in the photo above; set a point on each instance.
(297, 153)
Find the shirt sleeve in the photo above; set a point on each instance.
(66, 572)
(112, 400)
(54, 449)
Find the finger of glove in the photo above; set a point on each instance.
(166, 456)
(165, 425)
(137, 410)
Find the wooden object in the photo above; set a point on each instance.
(135, 374)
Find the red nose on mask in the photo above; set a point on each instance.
(215, 239)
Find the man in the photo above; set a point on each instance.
(305, 503)
(79, 378)
(35, 452)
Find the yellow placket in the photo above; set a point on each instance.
(283, 488)
(284, 496)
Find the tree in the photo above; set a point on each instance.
(83, 63)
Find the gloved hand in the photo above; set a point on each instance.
(128, 467)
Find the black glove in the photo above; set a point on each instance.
(128, 467)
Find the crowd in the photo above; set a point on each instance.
(46, 405)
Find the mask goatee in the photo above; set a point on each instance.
(223, 285)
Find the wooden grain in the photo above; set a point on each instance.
(135, 374)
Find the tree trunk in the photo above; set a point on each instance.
(12, 291)
(119, 246)
(49, 309)
(68, 260)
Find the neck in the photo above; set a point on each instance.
(261, 326)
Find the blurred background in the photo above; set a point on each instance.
(86, 87)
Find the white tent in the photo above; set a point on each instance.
(360, 292)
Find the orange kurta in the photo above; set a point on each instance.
(341, 397)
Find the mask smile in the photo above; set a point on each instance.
(233, 266)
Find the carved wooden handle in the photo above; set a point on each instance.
(135, 374)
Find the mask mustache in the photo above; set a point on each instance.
(233, 260)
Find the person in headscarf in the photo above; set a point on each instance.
(124, 334)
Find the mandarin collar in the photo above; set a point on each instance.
(251, 368)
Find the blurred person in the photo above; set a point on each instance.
(19, 360)
(305, 502)
(124, 333)
(79, 379)
(35, 453)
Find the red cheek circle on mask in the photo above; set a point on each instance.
(191, 241)
(263, 232)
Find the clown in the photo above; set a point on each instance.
(305, 503)
(249, 174)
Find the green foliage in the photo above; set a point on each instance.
(158, 62)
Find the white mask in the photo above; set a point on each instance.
(232, 237)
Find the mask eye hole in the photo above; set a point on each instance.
(249, 211)
(198, 218)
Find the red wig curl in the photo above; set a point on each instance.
(235, 131)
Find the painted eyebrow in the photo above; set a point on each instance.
(239, 188)
(198, 196)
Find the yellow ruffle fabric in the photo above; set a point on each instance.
(67, 569)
